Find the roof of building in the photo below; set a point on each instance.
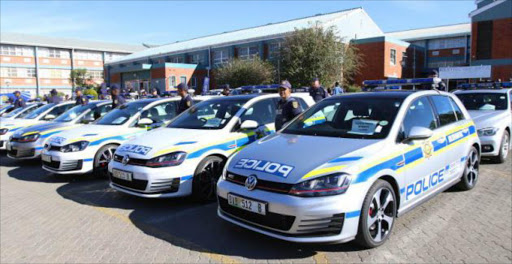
(350, 23)
(455, 30)
(66, 43)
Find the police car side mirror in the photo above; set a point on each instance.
(49, 117)
(419, 133)
(144, 122)
(88, 119)
(248, 125)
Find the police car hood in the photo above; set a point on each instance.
(485, 119)
(17, 123)
(165, 140)
(39, 128)
(90, 133)
(303, 154)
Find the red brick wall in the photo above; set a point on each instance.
(446, 52)
(474, 36)
(372, 55)
(54, 61)
(88, 63)
(29, 61)
(503, 72)
(502, 39)
(390, 70)
(158, 73)
(115, 77)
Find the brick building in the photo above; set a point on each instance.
(39, 64)
(491, 31)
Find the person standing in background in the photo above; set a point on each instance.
(337, 90)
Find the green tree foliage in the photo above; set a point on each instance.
(315, 52)
(91, 91)
(78, 77)
(238, 73)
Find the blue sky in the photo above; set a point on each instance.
(159, 22)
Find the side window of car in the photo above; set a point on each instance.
(458, 111)
(59, 110)
(263, 112)
(444, 109)
(419, 114)
(302, 103)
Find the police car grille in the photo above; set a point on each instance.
(272, 220)
(64, 166)
(270, 186)
(21, 153)
(132, 161)
(54, 148)
(165, 186)
(331, 225)
(134, 184)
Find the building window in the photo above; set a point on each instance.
(393, 57)
(172, 82)
(95, 74)
(109, 56)
(273, 50)
(30, 72)
(456, 51)
(53, 53)
(54, 73)
(11, 50)
(404, 59)
(195, 59)
(193, 82)
(87, 55)
(220, 57)
(435, 53)
(248, 53)
(177, 60)
(183, 79)
(447, 43)
(18, 72)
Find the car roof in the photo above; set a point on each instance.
(482, 91)
(401, 94)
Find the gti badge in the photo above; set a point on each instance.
(126, 159)
(250, 182)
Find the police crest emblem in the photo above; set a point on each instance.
(295, 104)
(427, 149)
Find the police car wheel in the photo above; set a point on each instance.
(102, 158)
(504, 148)
(470, 174)
(204, 184)
(377, 216)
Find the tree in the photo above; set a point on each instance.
(91, 91)
(315, 52)
(78, 77)
(238, 72)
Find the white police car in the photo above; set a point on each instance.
(89, 148)
(187, 156)
(28, 143)
(42, 114)
(347, 176)
(491, 109)
(20, 112)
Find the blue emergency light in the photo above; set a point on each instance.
(396, 84)
(488, 85)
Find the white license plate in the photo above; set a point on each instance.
(123, 175)
(247, 204)
(46, 158)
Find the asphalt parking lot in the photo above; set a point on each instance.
(47, 218)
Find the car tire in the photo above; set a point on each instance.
(504, 148)
(206, 176)
(377, 219)
(470, 175)
(104, 155)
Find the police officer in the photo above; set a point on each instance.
(288, 107)
(317, 91)
(154, 93)
(186, 99)
(441, 86)
(54, 97)
(117, 98)
(226, 91)
(80, 99)
(18, 100)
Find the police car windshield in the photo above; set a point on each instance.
(17, 111)
(73, 113)
(348, 117)
(484, 101)
(122, 114)
(211, 114)
(39, 111)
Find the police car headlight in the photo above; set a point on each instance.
(488, 131)
(332, 184)
(167, 160)
(74, 147)
(3, 131)
(29, 138)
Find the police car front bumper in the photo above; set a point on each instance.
(329, 219)
(4, 139)
(24, 150)
(491, 145)
(67, 162)
(165, 182)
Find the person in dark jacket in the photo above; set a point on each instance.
(54, 97)
(317, 91)
(117, 98)
(80, 99)
(186, 99)
(288, 107)
(18, 100)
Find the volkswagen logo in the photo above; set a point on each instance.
(126, 159)
(250, 182)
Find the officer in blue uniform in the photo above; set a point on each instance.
(317, 91)
(54, 97)
(18, 100)
(288, 107)
(80, 99)
(186, 99)
(117, 98)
